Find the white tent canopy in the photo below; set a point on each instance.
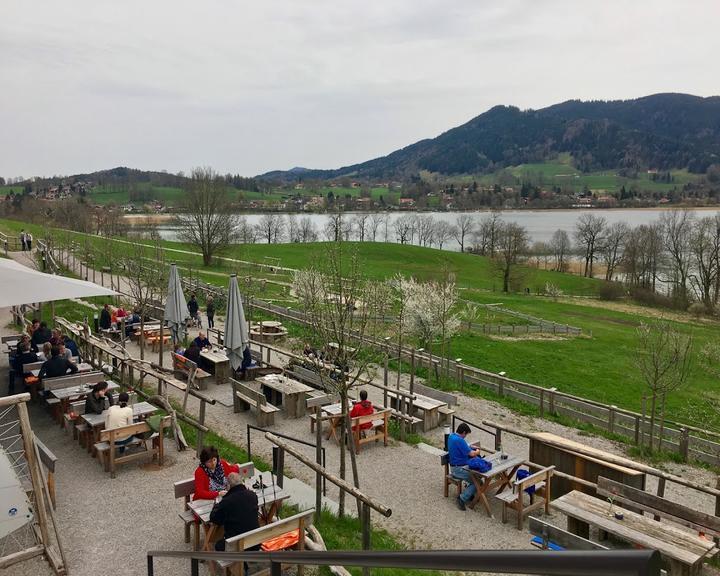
(22, 285)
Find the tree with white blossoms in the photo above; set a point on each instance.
(338, 302)
(430, 311)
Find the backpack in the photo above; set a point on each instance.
(479, 464)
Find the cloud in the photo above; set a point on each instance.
(250, 87)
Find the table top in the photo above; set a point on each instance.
(214, 357)
(139, 409)
(499, 465)
(283, 384)
(268, 496)
(270, 324)
(83, 390)
(82, 367)
(422, 402)
(668, 538)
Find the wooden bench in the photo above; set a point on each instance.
(305, 376)
(187, 369)
(378, 430)
(413, 422)
(81, 431)
(106, 447)
(154, 340)
(634, 498)
(245, 397)
(70, 380)
(549, 537)
(256, 537)
(449, 399)
(512, 497)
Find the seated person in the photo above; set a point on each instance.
(46, 351)
(95, 401)
(57, 365)
(25, 356)
(237, 512)
(247, 360)
(25, 339)
(211, 475)
(179, 350)
(56, 337)
(72, 346)
(119, 415)
(41, 335)
(120, 313)
(459, 453)
(362, 408)
(193, 353)
(202, 341)
(64, 352)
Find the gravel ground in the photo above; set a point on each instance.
(119, 520)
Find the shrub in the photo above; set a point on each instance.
(553, 291)
(611, 291)
(697, 309)
(650, 298)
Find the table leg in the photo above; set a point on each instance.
(578, 527)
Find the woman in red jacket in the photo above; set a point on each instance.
(362, 408)
(211, 475)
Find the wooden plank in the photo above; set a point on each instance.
(46, 456)
(670, 540)
(666, 508)
(259, 535)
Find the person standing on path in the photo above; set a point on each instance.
(210, 312)
(28, 241)
(23, 240)
(459, 453)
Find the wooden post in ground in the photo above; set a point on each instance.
(318, 460)
(161, 343)
(365, 519)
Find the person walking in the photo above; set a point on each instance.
(28, 241)
(211, 312)
(23, 240)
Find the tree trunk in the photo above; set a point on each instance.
(353, 459)
(653, 402)
(663, 398)
(343, 438)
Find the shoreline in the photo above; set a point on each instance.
(165, 217)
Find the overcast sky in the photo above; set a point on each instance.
(247, 87)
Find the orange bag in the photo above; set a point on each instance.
(281, 542)
(31, 380)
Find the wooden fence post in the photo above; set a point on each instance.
(611, 418)
(684, 444)
(542, 398)
(552, 400)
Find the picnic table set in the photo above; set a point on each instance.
(287, 392)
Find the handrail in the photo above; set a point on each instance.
(566, 563)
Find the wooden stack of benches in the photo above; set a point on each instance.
(245, 397)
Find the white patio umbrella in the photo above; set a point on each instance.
(176, 310)
(236, 330)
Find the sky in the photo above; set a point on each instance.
(248, 87)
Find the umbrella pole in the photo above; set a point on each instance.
(162, 339)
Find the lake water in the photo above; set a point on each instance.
(541, 224)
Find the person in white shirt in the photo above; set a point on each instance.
(119, 415)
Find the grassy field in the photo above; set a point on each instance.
(597, 365)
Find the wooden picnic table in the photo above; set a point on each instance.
(430, 408)
(336, 411)
(220, 363)
(286, 391)
(82, 367)
(79, 392)
(683, 549)
(97, 421)
(497, 478)
(270, 500)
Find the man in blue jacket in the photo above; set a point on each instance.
(459, 453)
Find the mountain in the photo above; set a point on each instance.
(662, 131)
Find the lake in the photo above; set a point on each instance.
(541, 224)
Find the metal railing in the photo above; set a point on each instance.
(568, 563)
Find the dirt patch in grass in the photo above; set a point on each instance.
(526, 337)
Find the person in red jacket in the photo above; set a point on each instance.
(362, 408)
(211, 475)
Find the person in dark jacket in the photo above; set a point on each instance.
(95, 401)
(193, 307)
(237, 512)
(24, 356)
(202, 341)
(193, 353)
(41, 335)
(210, 312)
(25, 339)
(72, 346)
(57, 365)
(105, 318)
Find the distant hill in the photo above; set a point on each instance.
(662, 131)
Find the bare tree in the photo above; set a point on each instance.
(612, 247)
(677, 226)
(360, 223)
(663, 360)
(334, 226)
(376, 221)
(270, 227)
(330, 293)
(307, 230)
(589, 230)
(443, 232)
(246, 232)
(293, 228)
(207, 221)
(403, 227)
(488, 232)
(705, 248)
(425, 226)
(464, 227)
(512, 247)
(561, 246)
